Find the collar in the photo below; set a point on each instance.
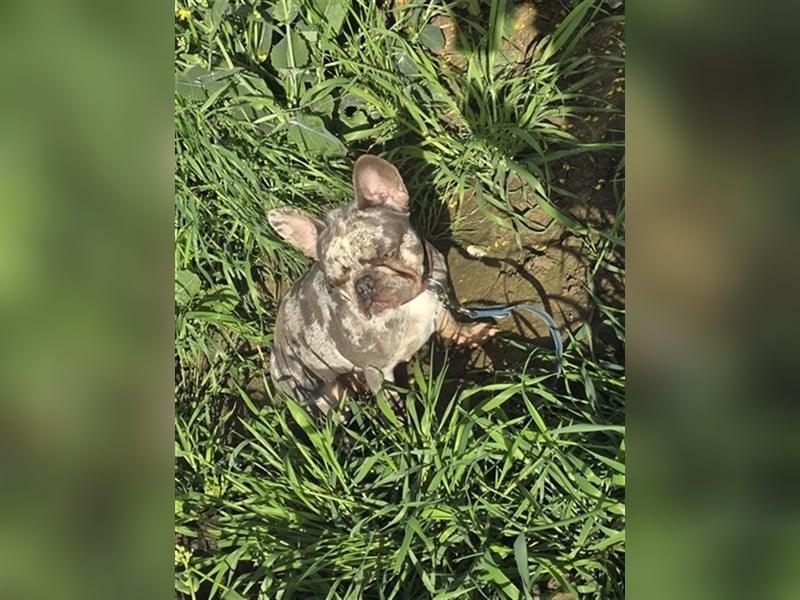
(426, 281)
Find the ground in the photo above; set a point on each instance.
(551, 268)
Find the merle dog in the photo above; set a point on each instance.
(364, 306)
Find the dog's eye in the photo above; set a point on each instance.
(389, 254)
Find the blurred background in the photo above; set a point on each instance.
(86, 296)
(713, 282)
(86, 299)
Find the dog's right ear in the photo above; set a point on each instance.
(297, 228)
(378, 183)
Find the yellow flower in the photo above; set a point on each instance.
(184, 14)
(261, 57)
(182, 556)
(256, 14)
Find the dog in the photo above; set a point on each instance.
(365, 306)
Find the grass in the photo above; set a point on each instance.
(512, 488)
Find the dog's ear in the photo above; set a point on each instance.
(297, 228)
(378, 183)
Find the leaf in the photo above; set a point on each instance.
(187, 284)
(300, 416)
(290, 53)
(309, 33)
(405, 63)
(322, 106)
(265, 40)
(197, 82)
(191, 90)
(521, 558)
(432, 38)
(250, 114)
(495, 575)
(308, 133)
(333, 13)
(351, 111)
(249, 85)
(220, 300)
(497, 22)
(284, 11)
(569, 24)
(217, 12)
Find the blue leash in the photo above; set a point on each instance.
(497, 311)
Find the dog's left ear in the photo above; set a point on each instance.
(297, 228)
(378, 183)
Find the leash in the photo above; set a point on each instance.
(498, 311)
(437, 283)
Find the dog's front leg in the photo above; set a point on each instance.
(375, 379)
(465, 334)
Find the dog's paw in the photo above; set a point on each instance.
(475, 334)
(470, 335)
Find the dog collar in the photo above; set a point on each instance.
(427, 271)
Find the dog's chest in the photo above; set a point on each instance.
(418, 324)
(385, 340)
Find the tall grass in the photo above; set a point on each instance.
(511, 489)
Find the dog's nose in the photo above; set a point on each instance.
(365, 286)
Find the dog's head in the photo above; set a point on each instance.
(370, 255)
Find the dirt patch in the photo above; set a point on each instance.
(549, 269)
(546, 263)
(546, 268)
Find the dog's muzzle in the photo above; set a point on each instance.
(365, 287)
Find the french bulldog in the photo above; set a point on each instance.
(367, 303)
